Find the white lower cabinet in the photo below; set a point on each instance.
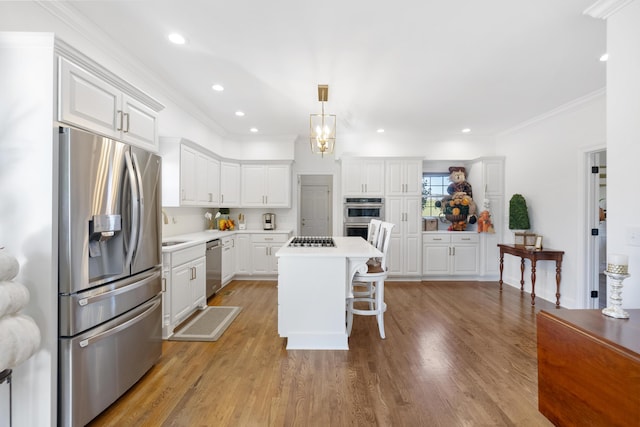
(228, 259)
(406, 236)
(263, 251)
(450, 254)
(185, 282)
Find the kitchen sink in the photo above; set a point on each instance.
(173, 242)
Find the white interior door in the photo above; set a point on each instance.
(315, 205)
(314, 210)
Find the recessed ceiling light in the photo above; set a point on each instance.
(217, 87)
(254, 130)
(466, 130)
(380, 130)
(176, 38)
(604, 57)
(240, 113)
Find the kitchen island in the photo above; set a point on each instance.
(313, 284)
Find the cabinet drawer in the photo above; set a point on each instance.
(436, 238)
(187, 255)
(269, 238)
(465, 238)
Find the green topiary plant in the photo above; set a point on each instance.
(518, 213)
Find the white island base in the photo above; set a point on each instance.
(313, 284)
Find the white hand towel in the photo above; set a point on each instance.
(9, 266)
(13, 297)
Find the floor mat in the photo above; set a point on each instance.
(208, 325)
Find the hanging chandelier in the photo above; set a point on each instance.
(322, 126)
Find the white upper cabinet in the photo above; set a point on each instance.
(199, 178)
(265, 185)
(403, 177)
(362, 177)
(90, 102)
(493, 176)
(190, 175)
(229, 184)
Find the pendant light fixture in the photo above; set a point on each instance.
(322, 126)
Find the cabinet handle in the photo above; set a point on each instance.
(211, 197)
(266, 200)
(437, 238)
(465, 238)
(120, 119)
(222, 198)
(182, 193)
(454, 251)
(127, 116)
(366, 188)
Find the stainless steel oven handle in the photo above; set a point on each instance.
(125, 325)
(138, 283)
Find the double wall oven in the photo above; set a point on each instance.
(359, 211)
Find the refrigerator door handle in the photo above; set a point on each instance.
(135, 208)
(125, 325)
(127, 288)
(141, 201)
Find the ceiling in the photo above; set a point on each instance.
(429, 68)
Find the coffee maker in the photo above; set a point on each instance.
(269, 221)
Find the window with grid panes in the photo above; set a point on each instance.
(434, 188)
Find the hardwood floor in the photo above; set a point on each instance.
(456, 354)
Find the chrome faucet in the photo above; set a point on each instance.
(165, 218)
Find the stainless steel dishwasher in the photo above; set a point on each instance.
(214, 266)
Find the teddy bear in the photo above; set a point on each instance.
(458, 207)
(484, 223)
(459, 183)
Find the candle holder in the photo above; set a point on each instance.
(615, 307)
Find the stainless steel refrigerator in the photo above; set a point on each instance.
(109, 275)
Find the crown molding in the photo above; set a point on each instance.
(66, 50)
(603, 9)
(65, 13)
(561, 109)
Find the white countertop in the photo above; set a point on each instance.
(199, 237)
(345, 247)
(450, 232)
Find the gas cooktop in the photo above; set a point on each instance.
(313, 242)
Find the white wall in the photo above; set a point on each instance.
(28, 214)
(623, 145)
(399, 144)
(544, 161)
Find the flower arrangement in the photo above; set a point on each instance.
(209, 217)
(457, 206)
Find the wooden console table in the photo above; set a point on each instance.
(534, 256)
(588, 368)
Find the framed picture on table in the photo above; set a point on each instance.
(538, 245)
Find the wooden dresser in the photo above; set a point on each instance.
(589, 368)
